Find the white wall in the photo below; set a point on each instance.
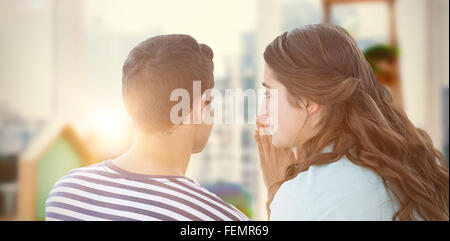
(411, 29)
(423, 38)
(26, 57)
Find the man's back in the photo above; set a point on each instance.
(107, 192)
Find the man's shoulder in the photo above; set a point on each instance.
(77, 172)
(217, 201)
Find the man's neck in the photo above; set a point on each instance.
(158, 154)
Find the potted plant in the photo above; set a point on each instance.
(381, 57)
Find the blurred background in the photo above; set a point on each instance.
(60, 80)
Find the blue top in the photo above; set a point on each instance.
(340, 190)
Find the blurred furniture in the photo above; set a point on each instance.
(8, 186)
(8, 168)
(391, 80)
(57, 150)
(8, 194)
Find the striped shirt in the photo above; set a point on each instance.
(106, 192)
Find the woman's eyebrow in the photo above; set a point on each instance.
(266, 85)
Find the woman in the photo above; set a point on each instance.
(358, 157)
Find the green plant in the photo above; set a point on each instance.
(379, 54)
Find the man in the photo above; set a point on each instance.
(148, 181)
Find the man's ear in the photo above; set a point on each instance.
(196, 111)
(198, 108)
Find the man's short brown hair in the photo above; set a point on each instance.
(155, 68)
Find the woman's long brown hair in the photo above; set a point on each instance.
(322, 63)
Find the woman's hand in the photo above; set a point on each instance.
(273, 160)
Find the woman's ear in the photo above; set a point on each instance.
(311, 107)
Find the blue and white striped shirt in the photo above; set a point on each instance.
(106, 192)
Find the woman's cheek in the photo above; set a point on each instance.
(278, 139)
(281, 133)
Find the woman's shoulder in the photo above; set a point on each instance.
(341, 174)
(325, 187)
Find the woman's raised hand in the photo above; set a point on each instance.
(273, 160)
